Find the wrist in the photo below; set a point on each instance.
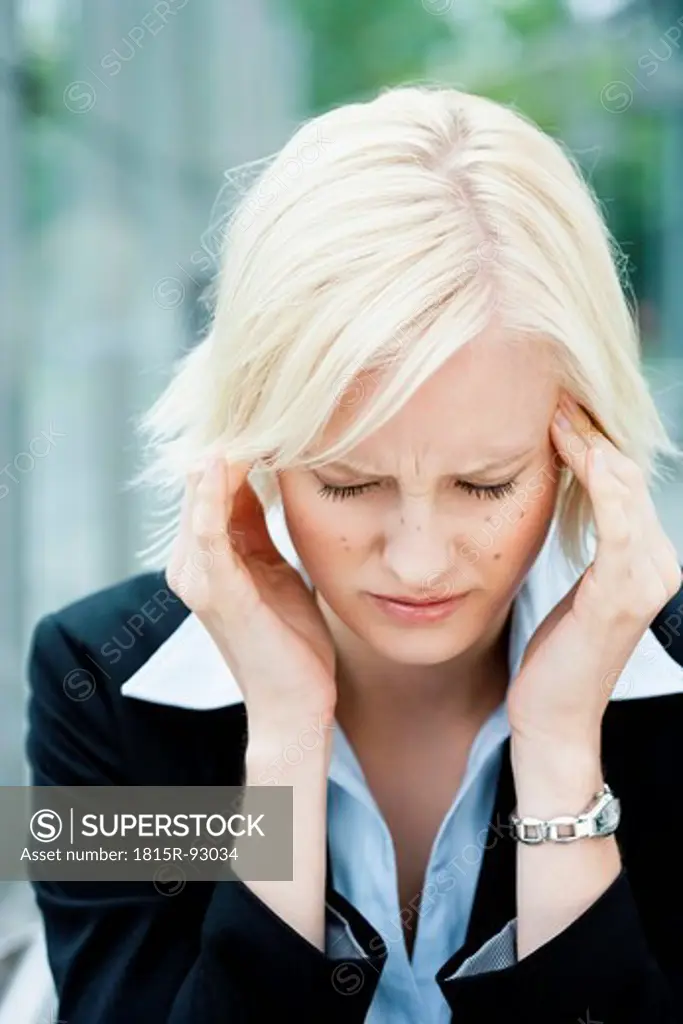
(556, 779)
(278, 748)
(277, 724)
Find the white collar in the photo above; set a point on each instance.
(188, 671)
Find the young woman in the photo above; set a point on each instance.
(421, 357)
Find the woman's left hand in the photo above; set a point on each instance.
(574, 659)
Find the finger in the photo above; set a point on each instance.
(616, 524)
(622, 514)
(570, 445)
(576, 433)
(229, 508)
(183, 537)
(185, 520)
(633, 550)
(585, 435)
(210, 558)
(588, 434)
(210, 503)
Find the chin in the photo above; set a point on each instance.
(419, 645)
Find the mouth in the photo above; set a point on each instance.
(412, 610)
(415, 601)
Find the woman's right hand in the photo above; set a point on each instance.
(266, 624)
(259, 611)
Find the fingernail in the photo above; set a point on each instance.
(599, 461)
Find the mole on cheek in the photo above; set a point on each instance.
(496, 556)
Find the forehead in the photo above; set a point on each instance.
(493, 397)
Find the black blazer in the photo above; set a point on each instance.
(125, 953)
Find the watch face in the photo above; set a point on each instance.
(608, 819)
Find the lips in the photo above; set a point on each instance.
(410, 611)
(414, 602)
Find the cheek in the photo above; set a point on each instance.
(322, 531)
(509, 537)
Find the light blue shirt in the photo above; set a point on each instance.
(364, 872)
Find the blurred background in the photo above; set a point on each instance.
(123, 125)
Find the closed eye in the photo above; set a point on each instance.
(491, 491)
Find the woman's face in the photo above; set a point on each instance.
(424, 527)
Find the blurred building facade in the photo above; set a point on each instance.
(105, 206)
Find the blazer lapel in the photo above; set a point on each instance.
(495, 898)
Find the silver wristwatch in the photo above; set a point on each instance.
(600, 818)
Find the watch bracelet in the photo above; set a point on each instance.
(582, 825)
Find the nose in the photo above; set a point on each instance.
(421, 552)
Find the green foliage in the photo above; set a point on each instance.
(358, 47)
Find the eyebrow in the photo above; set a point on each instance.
(498, 463)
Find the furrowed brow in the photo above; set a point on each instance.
(491, 464)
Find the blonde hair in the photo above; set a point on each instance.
(411, 219)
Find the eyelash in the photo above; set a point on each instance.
(494, 492)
